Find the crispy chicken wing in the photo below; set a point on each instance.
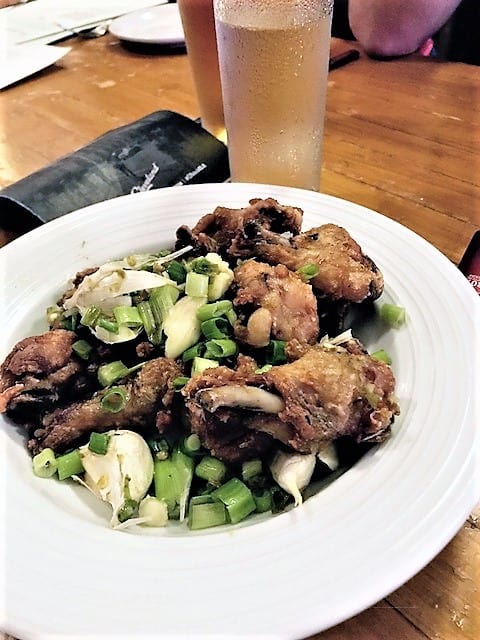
(38, 371)
(344, 271)
(149, 396)
(273, 302)
(226, 231)
(326, 393)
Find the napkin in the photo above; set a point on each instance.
(161, 149)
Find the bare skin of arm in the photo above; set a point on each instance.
(397, 27)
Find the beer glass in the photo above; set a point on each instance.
(199, 28)
(274, 65)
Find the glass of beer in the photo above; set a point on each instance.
(274, 67)
(199, 28)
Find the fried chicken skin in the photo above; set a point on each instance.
(273, 302)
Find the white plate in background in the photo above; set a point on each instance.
(156, 25)
(68, 575)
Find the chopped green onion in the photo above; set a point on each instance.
(276, 352)
(212, 470)
(280, 499)
(190, 445)
(208, 514)
(215, 328)
(148, 321)
(176, 271)
(70, 322)
(128, 510)
(180, 382)
(308, 271)
(128, 316)
(382, 355)
(196, 285)
(98, 442)
(108, 325)
(199, 365)
(159, 448)
(82, 348)
(217, 349)
(54, 314)
(214, 310)
(238, 499)
(161, 301)
(44, 463)
(111, 372)
(204, 266)
(172, 479)
(264, 369)
(263, 501)
(393, 315)
(251, 469)
(70, 464)
(193, 352)
(91, 316)
(114, 400)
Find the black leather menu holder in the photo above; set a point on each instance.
(160, 150)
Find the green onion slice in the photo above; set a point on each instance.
(196, 285)
(393, 315)
(217, 349)
(179, 382)
(204, 266)
(44, 463)
(237, 498)
(215, 328)
(128, 316)
(276, 352)
(114, 400)
(214, 310)
(176, 271)
(382, 355)
(70, 464)
(98, 443)
(82, 348)
(308, 271)
(148, 321)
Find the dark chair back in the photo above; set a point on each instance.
(459, 39)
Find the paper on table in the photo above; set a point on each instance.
(39, 20)
(20, 61)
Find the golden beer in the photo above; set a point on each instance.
(274, 67)
(199, 28)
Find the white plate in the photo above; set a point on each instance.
(67, 574)
(157, 25)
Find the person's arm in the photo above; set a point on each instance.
(397, 27)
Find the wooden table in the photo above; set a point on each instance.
(402, 137)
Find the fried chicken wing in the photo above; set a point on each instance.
(149, 397)
(38, 371)
(273, 302)
(226, 231)
(344, 271)
(326, 393)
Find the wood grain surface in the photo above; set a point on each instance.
(402, 137)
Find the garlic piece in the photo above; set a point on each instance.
(125, 472)
(292, 471)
